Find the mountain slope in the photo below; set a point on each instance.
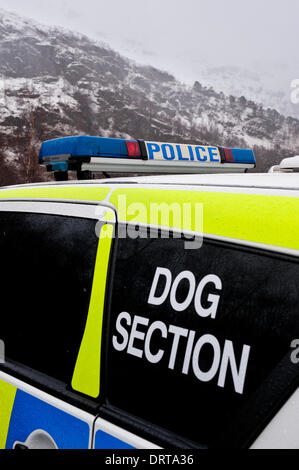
(269, 84)
(57, 83)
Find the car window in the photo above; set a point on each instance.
(193, 334)
(47, 265)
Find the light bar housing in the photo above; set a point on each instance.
(100, 154)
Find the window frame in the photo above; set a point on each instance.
(90, 210)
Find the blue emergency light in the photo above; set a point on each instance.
(82, 146)
(97, 154)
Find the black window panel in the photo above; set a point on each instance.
(258, 307)
(47, 266)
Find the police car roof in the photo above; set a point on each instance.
(260, 180)
(287, 181)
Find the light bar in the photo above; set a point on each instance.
(80, 147)
(238, 156)
(97, 154)
(133, 149)
(287, 165)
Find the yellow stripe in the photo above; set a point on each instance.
(272, 220)
(86, 377)
(57, 192)
(7, 398)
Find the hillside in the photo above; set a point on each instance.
(58, 83)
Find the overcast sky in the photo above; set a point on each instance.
(178, 34)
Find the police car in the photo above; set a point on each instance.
(150, 312)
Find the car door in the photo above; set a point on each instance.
(54, 259)
(197, 345)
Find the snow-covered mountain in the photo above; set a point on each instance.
(268, 84)
(56, 83)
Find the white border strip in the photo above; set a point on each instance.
(181, 187)
(123, 435)
(55, 208)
